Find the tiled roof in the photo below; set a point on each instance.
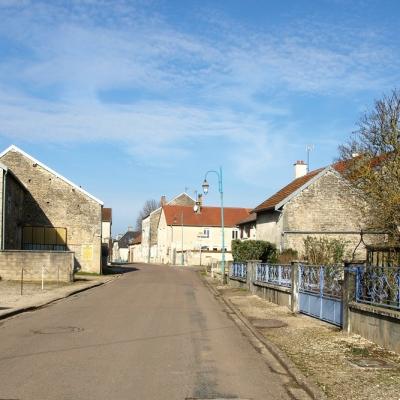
(137, 239)
(127, 239)
(250, 218)
(209, 216)
(106, 214)
(340, 167)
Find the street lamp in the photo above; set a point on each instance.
(206, 186)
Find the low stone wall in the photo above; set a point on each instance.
(377, 324)
(275, 294)
(58, 265)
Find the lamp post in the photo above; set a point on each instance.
(221, 192)
(182, 258)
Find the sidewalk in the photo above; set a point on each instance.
(321, 351)
(12, 302)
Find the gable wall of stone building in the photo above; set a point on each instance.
(328, 207)
(50, 201)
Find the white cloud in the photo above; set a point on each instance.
(196, 86)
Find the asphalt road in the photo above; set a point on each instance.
(154, 333)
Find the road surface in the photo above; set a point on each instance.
(154, 333)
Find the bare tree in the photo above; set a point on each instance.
(373, 163)
(148, 207)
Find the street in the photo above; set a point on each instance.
(156, 332)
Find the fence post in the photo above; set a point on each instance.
(251, 274)
(294, 274)
(348, 294)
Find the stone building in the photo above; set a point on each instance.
(149, 243)
(12, 195)
(56, 215)
(194, 238)
(320, 203)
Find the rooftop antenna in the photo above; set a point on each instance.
(309, 148)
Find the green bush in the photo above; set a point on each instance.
(254, 250)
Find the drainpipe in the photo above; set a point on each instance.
(3, 216)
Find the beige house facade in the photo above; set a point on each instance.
(186, 237)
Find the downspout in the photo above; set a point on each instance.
(3, 217)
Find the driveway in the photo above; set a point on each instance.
(155, 333)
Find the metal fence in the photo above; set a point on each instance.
(322, 280)
(239, 270)
(378, 286)
(274, 274)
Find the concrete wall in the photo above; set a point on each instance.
(269, 227)
(377, 324)
(55, 262)
(51, 201)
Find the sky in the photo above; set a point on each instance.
(137, 99)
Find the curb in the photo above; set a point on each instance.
(16, 311)
(311, 388)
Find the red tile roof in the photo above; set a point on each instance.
(250, 218)
(209, 216)
(106, 214)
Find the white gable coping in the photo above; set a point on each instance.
(18, 150)
(180, 194)
(305, 186)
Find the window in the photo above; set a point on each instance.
(206, 233)
(234, 234)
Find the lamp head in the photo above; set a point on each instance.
(196, 207)
(205, 186)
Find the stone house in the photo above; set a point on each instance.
(121, 246)
(247, 227)
(320, 203)
(196, 236)
(57, 215)
(149, 245)
(106, 235)
(135, 250)
(12, 196)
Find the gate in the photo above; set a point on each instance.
(320, 293)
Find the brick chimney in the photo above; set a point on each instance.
(163, 201)
(300, 169)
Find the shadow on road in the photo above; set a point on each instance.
(119, 269)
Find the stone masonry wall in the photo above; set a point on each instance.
(57, 265)
(51, 201)
(15, 196)
(328, 207)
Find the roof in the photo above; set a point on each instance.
(286, 193)
(106, 214)
(44, 166)
(127, 238)
(208, 217)
(137, 239)
(252, 217)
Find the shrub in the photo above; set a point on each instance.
(287, 256)
(254, 250)
(321, 250)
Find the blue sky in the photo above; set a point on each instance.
(136, 99)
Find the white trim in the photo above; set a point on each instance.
(18, 150)
(301, 188)
(3, 167)
(180, 194)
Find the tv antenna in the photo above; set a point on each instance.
(309, 149)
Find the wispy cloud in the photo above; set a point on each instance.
(183, 85)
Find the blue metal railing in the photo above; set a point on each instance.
(378, 286)
(274, 274)
(321, 279)
(239, 270)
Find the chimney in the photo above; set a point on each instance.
(300, 169)
(199, 203)
(163, 201)
(130, 228)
